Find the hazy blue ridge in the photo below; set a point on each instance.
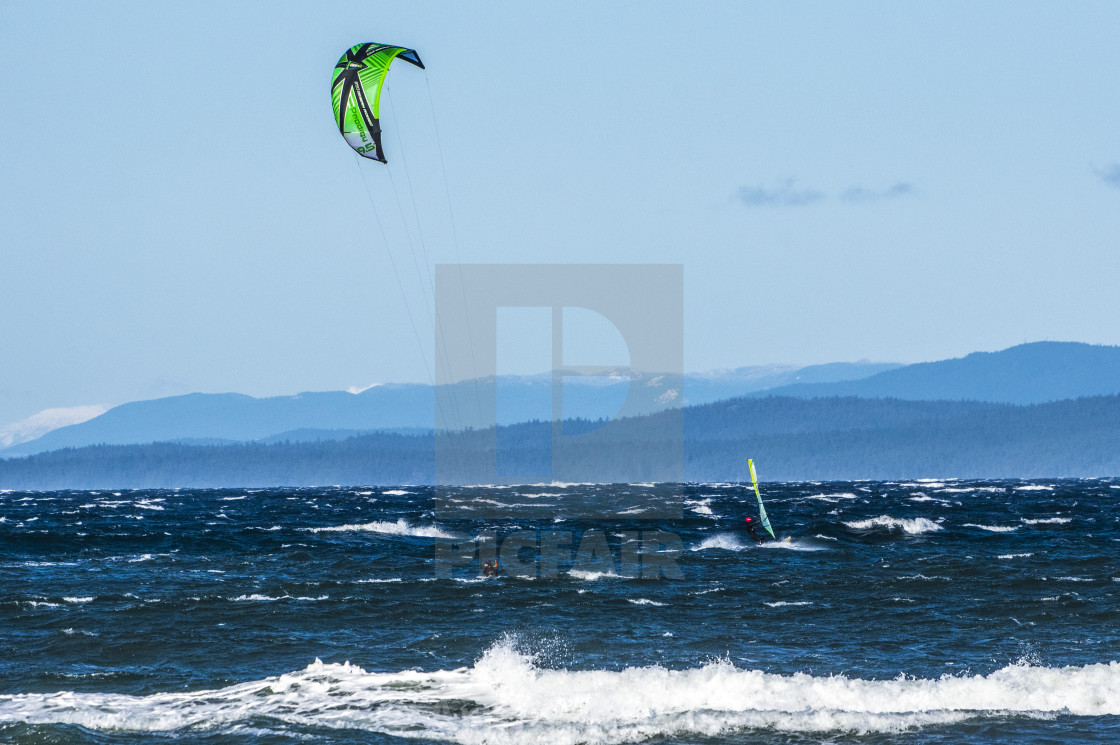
(1026, 374)
(403, 407)
(797, 439)
(1031, 373)
(706, 388)
(233, 416)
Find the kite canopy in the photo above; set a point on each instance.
(356, 93)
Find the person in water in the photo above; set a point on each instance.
(490, 568)
(752, 533)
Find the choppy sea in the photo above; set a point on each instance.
(923, 612)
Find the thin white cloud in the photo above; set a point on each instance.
(37, 425)
(789, 193)
(785, 194)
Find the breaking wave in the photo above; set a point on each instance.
(993, 528)
(913, 526)
(400, 527)
(725, 541)
(507, 698)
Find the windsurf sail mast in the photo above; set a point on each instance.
(761, 506)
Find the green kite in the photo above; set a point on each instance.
(358, 79)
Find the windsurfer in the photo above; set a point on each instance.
(751, 531)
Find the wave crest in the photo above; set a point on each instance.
(534, 705)
(400, 527)
(913, 526)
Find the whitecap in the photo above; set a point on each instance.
(700, 507)
(257, 597)
(792, 545)
(400, 527)
(993, 528)
(507, 698)
(913, 526)
(725, 541)
(585, 575)
(833, 497)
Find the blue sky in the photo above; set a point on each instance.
(890, 181)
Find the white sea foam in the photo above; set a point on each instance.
(700, 506)
(833, 497)
(584, 575)
(713, 589)
(45, 564)
(993, 528)
(644, 601)
(1014, 556)
(792, 545)
(924, 578)
(506, 699)
(783, 603)
(1034, 487)
(396, 492)
(400, 527)
(257, 597)
(725, 541)
(913, 526)
(1048, 521)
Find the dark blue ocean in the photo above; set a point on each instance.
(925, 612)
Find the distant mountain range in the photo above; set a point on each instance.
(792, 440)
(1027, 374)
(217, 418)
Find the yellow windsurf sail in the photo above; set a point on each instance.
(761, 506)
